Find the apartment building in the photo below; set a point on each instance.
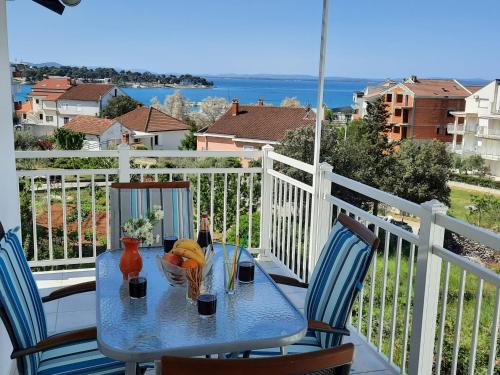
(54, 101)
(43, 98)
(421, 109)
(361, 98)
(476, 130)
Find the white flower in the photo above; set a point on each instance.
(159, 214)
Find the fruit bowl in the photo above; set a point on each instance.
(176, 275)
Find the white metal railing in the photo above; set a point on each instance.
(69, 209)
(459, 129)
(407, 310)
(485, 131)
(401, 311)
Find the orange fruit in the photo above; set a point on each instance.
(189, 263)
(173, 259)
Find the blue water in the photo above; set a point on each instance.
(338, 92)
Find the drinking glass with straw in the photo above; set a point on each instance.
(231, 267)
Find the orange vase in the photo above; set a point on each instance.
(131, 260)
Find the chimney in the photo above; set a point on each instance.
(235, 107)
(125, 138)
(260, 101)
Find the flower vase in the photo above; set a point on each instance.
(131, 260)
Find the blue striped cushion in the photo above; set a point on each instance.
(309, 343)
(20, 298)
(177, 203)
(78, 358)
(339, 272)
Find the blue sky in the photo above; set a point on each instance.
(367, 38)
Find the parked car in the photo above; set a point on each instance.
(402, 224)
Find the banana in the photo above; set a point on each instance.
(188, 253)
(189, 244)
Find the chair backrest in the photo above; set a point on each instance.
(131, 200)
(21, 307)
(338, 275)
(329, 361)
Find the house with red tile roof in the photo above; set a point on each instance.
(144, 125)
(252, 126)
(420, 109)
(87, 99)
(56, 100)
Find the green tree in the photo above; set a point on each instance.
(370, 137)
(68, 139)
(189, 140)
(475, 165)
(421, 172)
(119, 105)
(485, 211)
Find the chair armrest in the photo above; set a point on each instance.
(316, 325)
(66, 291)
(280, 279)
(56, 340)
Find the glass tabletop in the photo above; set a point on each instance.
(258, 316)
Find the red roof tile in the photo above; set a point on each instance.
(266, 123)
(87, 92)
(49, 96)
(437, 88)
(52, 84)
(149, 119)
(89, 125)
(473, 89)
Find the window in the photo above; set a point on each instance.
(37, 101)
(399, 98)
(136, 140)
(397, 112)
(24, 116)
(49, 118)
(248, 148)
(65, 120)
(388, 98)
(437, 130)
(157, 140)
(40, 116)
(395, 129)
(116, 92)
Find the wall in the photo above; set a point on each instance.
(77, 107)
(9, 204)
(170, 140)
(110, 95)
(224, 144)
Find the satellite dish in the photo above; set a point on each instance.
(56, 5)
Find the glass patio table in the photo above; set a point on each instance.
(257, 316)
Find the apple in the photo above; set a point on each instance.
(173, 259)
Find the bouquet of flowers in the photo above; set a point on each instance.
(141, 228)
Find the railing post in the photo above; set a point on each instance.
(266, 200)
(427, 284)
(124, 162)
(322, 223)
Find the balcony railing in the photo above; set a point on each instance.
(423, 308)
(460, 129)
(486, 132)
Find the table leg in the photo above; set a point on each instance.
(130, 368)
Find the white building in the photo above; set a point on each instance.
(145, 126)
(87, 99)
(477, 129)
(54, 101)
(361, 98)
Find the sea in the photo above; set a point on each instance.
(338, 91)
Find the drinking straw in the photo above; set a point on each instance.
(235, 253)
(226, 260)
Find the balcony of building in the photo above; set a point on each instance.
(422, 305)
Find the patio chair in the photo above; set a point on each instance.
(334, 285)
(22, 314)
(133, 199)
(329, 361)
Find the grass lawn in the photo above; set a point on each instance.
(460, 198)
